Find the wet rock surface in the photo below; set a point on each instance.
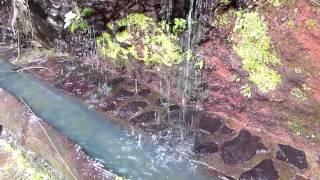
(204, 146)
(144, 117)
(263, 171)
(241, 148)
(209, 123)
(131, 108)
(292, 156)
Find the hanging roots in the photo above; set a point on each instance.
(21, 21)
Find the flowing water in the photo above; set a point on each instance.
(121, 152)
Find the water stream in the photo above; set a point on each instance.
(121, 152)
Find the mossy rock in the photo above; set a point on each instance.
(254, 47)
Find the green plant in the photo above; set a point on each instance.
(179, 25)
(140, 37)
(198, 64)
(300, 94)
(75, 20)
(85, 12)
(246, 91)
(254, 48)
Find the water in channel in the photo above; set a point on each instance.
(100, 138)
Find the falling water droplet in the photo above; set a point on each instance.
(139, 141)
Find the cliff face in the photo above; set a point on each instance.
(274, 92)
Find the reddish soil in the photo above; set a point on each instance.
(278, 115)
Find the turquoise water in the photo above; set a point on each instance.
(100, 138)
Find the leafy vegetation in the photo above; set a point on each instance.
(75, 20)
(254, 48)
(140, 37)
(179, 25)
(246, 91)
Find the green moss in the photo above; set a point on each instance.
(291, 24)
(224, 20)
(275, 3)
(108, 47)
(298, 93)
(311, 23)
(300, 130)
(254, 48)
(141, 38)
(19, 166)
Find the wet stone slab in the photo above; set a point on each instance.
(225, 130)
(205, 148)
(123, 94)
(292, 156)
(131, 108)
(263, 171)
(241, 148)
(144, 92)
(209, 123)
(144, 117)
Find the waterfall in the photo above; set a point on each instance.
(186, 70)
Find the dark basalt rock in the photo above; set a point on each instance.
(108, 106)
(131, 108)
(292, 156)
(174, 107)
(123, 94)
(209, 123)
(263, 171)
(225, 130)
(204, 145)
(206, 148)
(144, 92)
(161, 102)
(241, 148)
(116, 81)
(144, 117)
